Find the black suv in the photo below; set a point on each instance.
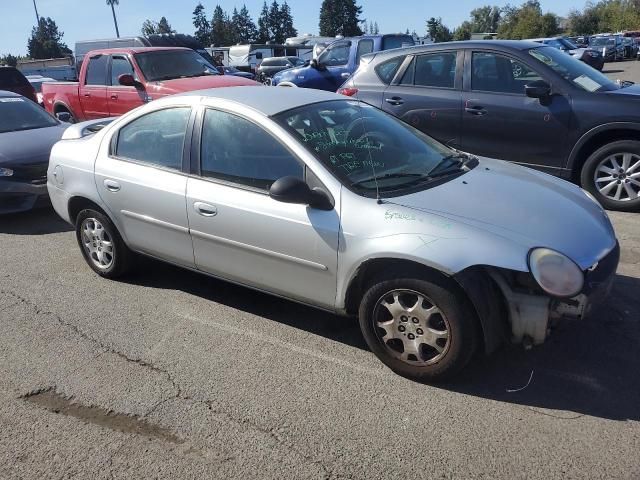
(12, 80)
(518, 101)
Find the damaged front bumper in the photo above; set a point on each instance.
(531, 315)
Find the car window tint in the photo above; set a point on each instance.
(97, 71)
(491, 72)
(364, 47)
(336, 54)
(387, 70)
(156, 138)
(436, 70)
(239, 151)
(407, 78)
(120, 66)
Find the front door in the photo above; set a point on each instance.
(240, 233)
(141, 182)
(500, 121)
(334, 67)
(93, 94)
(429, 96)
(122, 98)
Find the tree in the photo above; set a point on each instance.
(340, 17)
(264, 33)
(605, 16)
(275, 23)
(245, 29)
(164, 27)
(286, 19)
(9, 59)
(149, 27)
(527, 21)
(463, 32)
(376, 30)
(438, 31)
(203, 28)
(111, 3)
(46, 41)
(485, 19)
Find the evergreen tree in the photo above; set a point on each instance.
(149, 27)
(274, 22)
(46, 41)
(203, 28)
(219, 27)
(286, 19)
(264, 32)
(438, 31)
(365, 27)
(340, 17)
(376, 30)
(246, 31)
(9, 59)
(164, 27)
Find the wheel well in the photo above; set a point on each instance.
(77, 204)
(60, 107)
(379, 267)
(599, 140)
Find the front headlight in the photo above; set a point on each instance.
(6, 172)
(556, 274)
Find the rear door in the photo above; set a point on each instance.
(428, 94)
(121, 98)
(142, 182)
(500, 121)
(93, 93)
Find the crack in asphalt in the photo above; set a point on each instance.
(178, 392)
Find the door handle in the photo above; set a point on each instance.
(394, 100)
(87, 94)
(478, 111)
(112, 185)
(205, 209)
(114, 96)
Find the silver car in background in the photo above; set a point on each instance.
(326, 201)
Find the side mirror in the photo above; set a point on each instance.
(537, 89)
(293, 190)
(317, 65)
(64, 117)
(127, 80)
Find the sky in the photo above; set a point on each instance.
(91, 19)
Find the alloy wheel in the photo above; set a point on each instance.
(617, 177)
(97, 243)
(411, 327)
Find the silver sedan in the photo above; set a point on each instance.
(326, 201)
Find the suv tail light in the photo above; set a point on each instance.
(348, 91)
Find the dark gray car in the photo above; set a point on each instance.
(27, 133)
(270, 66)
(518, 101)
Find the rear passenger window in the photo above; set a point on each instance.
(387, 70)
(156, 138)
(239, 151)
(97, 70)
(432, 70)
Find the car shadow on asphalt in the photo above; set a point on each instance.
(589, 367)
(41, 221)
(612, 71)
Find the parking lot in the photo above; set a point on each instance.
(171, 374)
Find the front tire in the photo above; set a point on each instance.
(101, 244)
(612, 175)
(423, 330)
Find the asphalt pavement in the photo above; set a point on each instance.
(171, 374)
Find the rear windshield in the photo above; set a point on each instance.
(21, 114)
(397, 41)
(10, 77)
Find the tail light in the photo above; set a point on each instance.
(348, 91)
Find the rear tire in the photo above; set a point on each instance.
(421, 329)
(612, 175)
(101, 244)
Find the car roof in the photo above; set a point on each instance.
(267, 100)
(6, 93)
(136, 49)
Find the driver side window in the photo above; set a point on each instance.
(336, 54)
(239, 151)
(491, 72)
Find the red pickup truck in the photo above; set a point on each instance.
(116, 80)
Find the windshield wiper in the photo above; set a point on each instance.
(440, 169)
(416, 177)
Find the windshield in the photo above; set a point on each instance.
(296, 61)
(568, 44)
(21, 114)
(170, 64)
(362, 146)
(602, 41)
(573, 70)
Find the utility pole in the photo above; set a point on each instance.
(37, 16)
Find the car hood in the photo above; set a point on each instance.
(529, 208)
(291, 72)
(27, 147)
(631, 90)
(180, 85)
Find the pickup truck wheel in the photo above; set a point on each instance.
(72, 119)
(420, 329)
(612, 175)
(101, 244)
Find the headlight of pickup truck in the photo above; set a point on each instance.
(556, 274)
(6, 172)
